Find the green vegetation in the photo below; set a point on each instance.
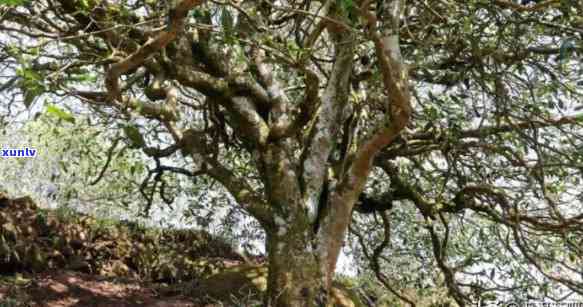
(438, 144)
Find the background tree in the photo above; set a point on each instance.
(466, 110)
(74, 158)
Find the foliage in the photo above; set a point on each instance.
(12, 2)
(452, 128)
(72, 157)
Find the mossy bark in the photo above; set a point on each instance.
(295, 272)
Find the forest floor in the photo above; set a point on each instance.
(55, 258)
(68, 288)
(62, 258)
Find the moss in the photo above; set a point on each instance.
(344, 295)
(233, 284)
(249, 283)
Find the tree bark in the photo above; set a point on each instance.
(295, 278)
(303, 254)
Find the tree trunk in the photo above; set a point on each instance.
(296, 276)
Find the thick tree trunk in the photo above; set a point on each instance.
(295, 271)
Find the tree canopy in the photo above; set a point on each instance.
(442, 138)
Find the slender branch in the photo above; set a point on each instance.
(494, 129)
(523, 8)
(374, 262)
(439, 253)
(196, 143)
(106, 165)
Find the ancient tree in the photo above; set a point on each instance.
(464, 109)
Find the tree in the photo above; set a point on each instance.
(74, 159)
(291, 106)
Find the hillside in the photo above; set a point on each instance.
(60, 258)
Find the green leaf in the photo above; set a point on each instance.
(347, 5)
(29, 97)
(134, 135)
(60, 113)
(84, 4)
(227, 21)
(566, 50)
(12, 2)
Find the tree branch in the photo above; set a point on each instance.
(523, 8)
(396, 83)
(196, 143)
(175, 25)
(322, 138)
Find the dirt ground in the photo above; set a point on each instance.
(68, 288)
